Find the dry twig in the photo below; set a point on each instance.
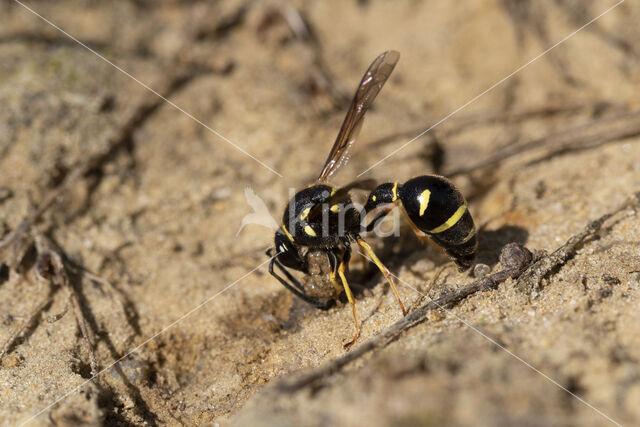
(588, 135)
(51, 269)
(20, 330)
(320, 78)
(463, 122)
(518, 263)
(51, 266)
(514, 258)
(531, 279)
(173, 78)
(532, 17)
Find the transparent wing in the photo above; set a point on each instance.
(371, 84)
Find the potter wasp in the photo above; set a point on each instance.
(321, 222)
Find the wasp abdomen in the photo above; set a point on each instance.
(438, 209)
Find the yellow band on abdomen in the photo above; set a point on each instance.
(453, 220)
(468, 236)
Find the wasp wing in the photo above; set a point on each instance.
(371, 84)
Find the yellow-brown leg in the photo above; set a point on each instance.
(420, 234)
(347, 290)
(364, 245)
(334, 282)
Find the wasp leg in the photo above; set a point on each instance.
(419, 234)
(333, 263)
(424, 238)
(295, 287)
(385, 271)
(293, 281)
(341, 269)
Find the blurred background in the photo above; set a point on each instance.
(147, 120)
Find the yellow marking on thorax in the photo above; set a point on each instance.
(424, 201)
(333, 191)
(374, 198)
(304, 214)
(335, 208)
(289, 236)
(453, 220)
(395, 191)
(309, 231)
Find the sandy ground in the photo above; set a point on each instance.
(158, 218)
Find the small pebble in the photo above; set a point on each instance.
(436, 316)
(514, 255)
(481, 270)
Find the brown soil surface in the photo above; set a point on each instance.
(158, 216)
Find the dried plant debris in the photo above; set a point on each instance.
(589, 135)
(51, 266)
(466, 121)
(57, 273)
(514, 258)
(532, 278)
(531, 16)
(287, 23)
(111, 167)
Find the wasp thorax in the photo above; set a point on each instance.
(313, 219)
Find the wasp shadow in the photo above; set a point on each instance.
(490, 242)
